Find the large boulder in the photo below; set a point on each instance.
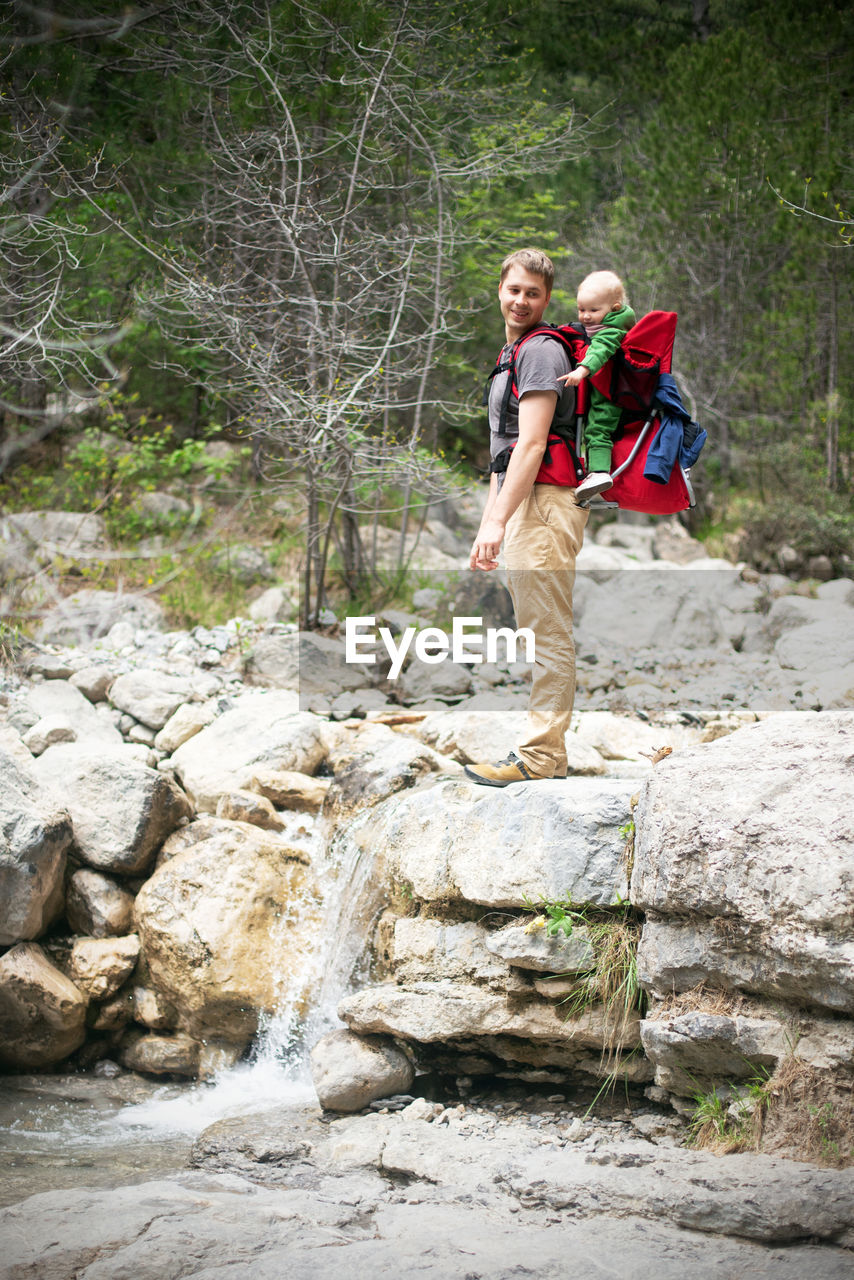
(263, 730)
(35, 833)
(744, 863)
(226, 926)
(503, 847)
(42, 1012)
(121, 810)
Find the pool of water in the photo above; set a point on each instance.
(65, 1131)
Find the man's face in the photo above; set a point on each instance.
(523, 298)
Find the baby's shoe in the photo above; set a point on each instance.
(596, 482)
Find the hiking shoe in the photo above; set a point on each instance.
(502, 774)
(596, 482)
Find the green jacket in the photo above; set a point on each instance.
(603, 344)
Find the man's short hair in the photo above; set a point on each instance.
(533, 260)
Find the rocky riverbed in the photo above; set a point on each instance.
(193, 849)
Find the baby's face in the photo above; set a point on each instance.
(593, 306)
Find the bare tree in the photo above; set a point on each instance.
(312, 255)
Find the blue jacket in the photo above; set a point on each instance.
(678, 438)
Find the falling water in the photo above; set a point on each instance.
(278, 1072)
(68, 1131)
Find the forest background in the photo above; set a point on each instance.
(279, 225)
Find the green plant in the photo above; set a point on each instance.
(611, 977)
(12, 642)
(824, 1114)
(627, 830)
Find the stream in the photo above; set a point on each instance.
(111, 1127)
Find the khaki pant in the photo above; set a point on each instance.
(542, 540)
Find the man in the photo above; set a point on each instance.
(541, 524)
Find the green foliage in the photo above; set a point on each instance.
(611, 978)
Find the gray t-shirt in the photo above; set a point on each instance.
(539, 364)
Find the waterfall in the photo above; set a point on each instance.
(277, 1072)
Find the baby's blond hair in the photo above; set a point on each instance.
(606, 284)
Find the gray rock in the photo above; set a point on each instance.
(534, 950)
(97, 905)
(66, 533)
(149, 695)
(120, 809)
(47, 733)
(314, 664)
(94, 681)
(374, 762)
(262, 730)
(745, 864)
(43, 1013)
(246, 564)
(500, 847)
(35, 834)
(88, 614)
(184, 723)
(349, 1071)
(60, 702)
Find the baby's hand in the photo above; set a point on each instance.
(576, 377)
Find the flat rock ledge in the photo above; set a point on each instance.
(441, 1193)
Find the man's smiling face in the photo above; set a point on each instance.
(523, 298)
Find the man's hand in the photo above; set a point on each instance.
(484, 552)
(574, 379)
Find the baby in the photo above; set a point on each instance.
(604, 311)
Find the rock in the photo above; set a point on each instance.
(176, 1054)
(312, 663)
(85, 616)
(189, 719)
(93, 682)
(151, 1010)
(43, 1014)
(537, 1033)
(264, 730)
(617, 737)
(47, 733)
(499, 847)
(66, 533)
(695, 1049)
(245, 564)
(425, 950)
(672, 542)
(224, 924)
(744, 861)
(273, 605)
(60, 702)
(349, 1071)
(374, 763)
(444, 680)
(473, 735)
(287, 789)
(536, 951)
(248, 806)
(97, 905)
(120, 809)
(36, 834)
(149, 695)
(160, 505)
(99, 966)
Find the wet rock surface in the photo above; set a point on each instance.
(492, 1187)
